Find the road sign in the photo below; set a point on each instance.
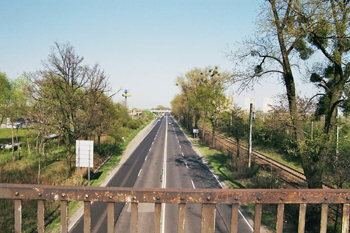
(195, 130)
(126, 95)
(84, 151)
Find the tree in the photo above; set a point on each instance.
(330, 35)
(161, 107)
(234, 125)
(285, 31)
(202, 96)
(118, 128)
(213, 91)
(5, 97)
(191, 85)
(301, 27)
(105, 117)
(69, 87)
(7, 104)
(19, 108)
(177, 106)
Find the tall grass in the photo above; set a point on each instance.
(53, 171)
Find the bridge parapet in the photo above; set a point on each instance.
(160, 111)
(207, 198)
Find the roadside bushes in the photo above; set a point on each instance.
(265, 180)
(134, 124)
(273, 132)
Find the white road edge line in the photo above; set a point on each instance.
(139, 172)
(146, 157)
(164, 171)
(214, 176)
(193, 184)
(240, 212)
(251, 228)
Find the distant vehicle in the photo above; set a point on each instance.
(158, 120)
(169, 123)
(9, 146)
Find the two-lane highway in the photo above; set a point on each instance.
(191, 172)
(164, 159)
(172, 163)
(125, 177)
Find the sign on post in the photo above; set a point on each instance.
(195, 131)
(84, 151)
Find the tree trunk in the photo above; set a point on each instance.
(13, 149)
(99, 141)
(18, 146)
(68, 153)
(39, 167)
(28, 145)
(196, 119)
(44, 153)
(203, 131)
(213, 134)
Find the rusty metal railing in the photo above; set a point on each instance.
(208, 198)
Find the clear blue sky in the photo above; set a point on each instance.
(143, 46)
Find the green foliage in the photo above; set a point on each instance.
(5, 89)
(258, 69)
(273, 132)
(202, 95)
(318, 37)
(322, 106)
(304, 51)
(134, 124)
(266, 180)
(315, 78)
(235, 124)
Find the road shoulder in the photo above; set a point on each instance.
(126, 154)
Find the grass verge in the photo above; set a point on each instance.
(105, 170)
(216, 161)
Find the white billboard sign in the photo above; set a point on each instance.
(84, 151)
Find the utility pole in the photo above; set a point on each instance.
(250, 136)
(337, 149)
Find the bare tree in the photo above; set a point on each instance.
(72, 87)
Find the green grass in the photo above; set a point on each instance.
(6, 135)
(25, 169)
(55, 226)
(216, 161)
(277, 155)
(105, 171)
(274, 153)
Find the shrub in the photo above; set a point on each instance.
(266, 180)
(134, 124)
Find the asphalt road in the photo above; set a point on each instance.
(146, 168)
(125, 177)
(187, 170)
